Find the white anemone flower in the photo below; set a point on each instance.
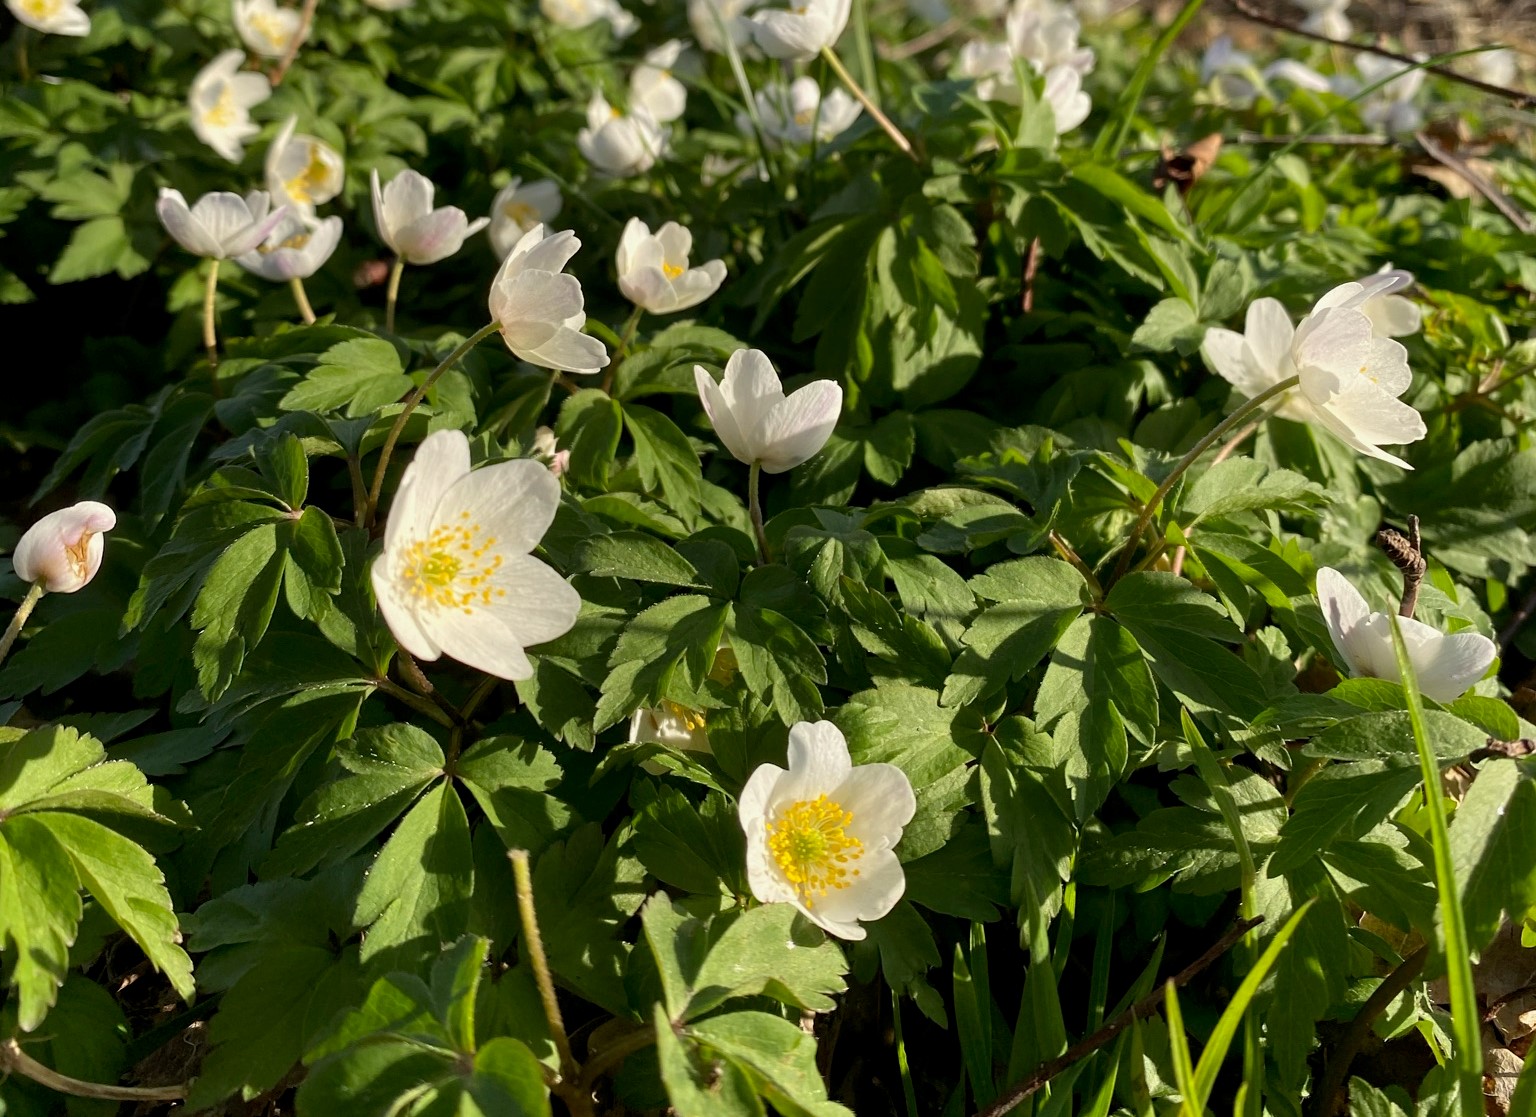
(821, 834)
(654, 272)
(670, 724)
(1391, 314)
(1496, 67)
(1235, 77)
(220, 102)
(302, 170)
(539, 309)
(575, 14)
(62, 551)
(296, 249)
(757, 423)
(653, 87)
(265, 28)
(456, 577)
(716, 21)
(1069, 104)
(793, 113)
(220, 225)
(1326, 17)
(1044, 34)
(407, 222)
(1391, 108)
(620, 144)
(1445, 665)
(518, 207)
(802, 32)
(52, 17)
(990, 66)
(1350, 376)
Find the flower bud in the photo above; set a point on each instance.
(63, 549)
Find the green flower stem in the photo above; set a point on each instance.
(392, 294)
(23, 611)
(869, 106)
(210, 315)
(1466, 1019)
(755, 506)
(301, 300)
(1149, 510)
(366, 515)
(631, 324)
(13, 1060)
(570, 1089)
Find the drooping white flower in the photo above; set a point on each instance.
(301, 170)
(1375, 296)
(790, 114)
(576, 14)
(821, 834)
(540, 309)
(221, 225)
(296, 249)
(1390, 108)
(1445, 665)
(620, 144)
(802, 32)
(653, 87)
(1044, 33)
(1296, 73)
(518, 207)
(220, 102)
(63, 549)
(456, 577)
(1069, 104)
(1350, 377)
(265, 28)
(716, 21)
(1326, 17)
(52, 17)
(407, 223)
(654, 272)
(757, 423)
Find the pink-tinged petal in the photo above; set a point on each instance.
(513, 502)
(63, 550)
(407, 198)
(434, 237)
(440, 461)
(185, 229)
(799, 427)
(256, 233)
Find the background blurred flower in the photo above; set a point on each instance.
(296, 249)
(620, 144)
(791, 113)
(652, 86)
(520, 206)
(654, 272)
(220, 101)
(301, 170)
(802, 32)
(715, 21)
(52, 17)
(266, 28)
(407, 222)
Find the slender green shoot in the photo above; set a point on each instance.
(908, 1092)
(1113, 137)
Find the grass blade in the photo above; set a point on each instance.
(1112, 138)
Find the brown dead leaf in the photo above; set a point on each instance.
(1184, 168)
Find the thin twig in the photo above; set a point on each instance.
(1333, 139)
(1065, 550)
(1517, 622)
(934, 36)
(306, 17)
(1019, 1091)
(1407, 554)
(13, 1060)
(1495, 197)
(1330, 1094)
(897, 136)
(612, 1055)
(1031, 267)
(1521, 100)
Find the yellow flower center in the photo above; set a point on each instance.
(270, 28)
(42, 9)
(453, 567)
(691, 720)
(804, 117)
(303, 186)
(670, 270)
(298, 240)
(79, 553)
(221, 114)
(812, 847)
(520, 213)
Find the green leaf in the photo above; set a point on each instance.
(589, 426)
(1345, 801)
(779, 662)
(665, 458)
(639, 557)
(1171, 324)
(39, 913)
(362, 375)
(778, 1058)
(417, 893)
(699, 849)
(769, 951)
(1490, 847)
(697, 1086)
(679, 633)
(235, 606)
(511, 780)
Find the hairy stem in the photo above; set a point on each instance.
(210, 316)
(1149, 510)
(13, 1060)
(411, 403)
(392, 294)
(301, 300)
(755, 507)
(870, 107)
(23, 611)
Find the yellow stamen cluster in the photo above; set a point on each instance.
(303, 186)
(79, 553)
(271, 29)
(691, 720)
(521, 214)
(298, 240)
(671, 270)
(724, 669)
(42, 9)
(453, 567)
(221, 114)
(810, 843)
(804, 117)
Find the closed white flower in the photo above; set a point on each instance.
(519, 207)
(52, 17)
(62, 551)
(1044, 34)
(620, 144)
(802, 32)
(1497, 67)
(456, 577)
(409, 224)
(1445, 665)
(1069, 104)
(790, 114)
(301, 170)
(220, 102)
(716, 21)
(757, 423)
(1326, 17)
(539, 309)
(654, 272)
(296, 249)
(821, 834)
(653, 87)
(1350, 376)
(221, 225)
(990, 66)
(265, 28)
